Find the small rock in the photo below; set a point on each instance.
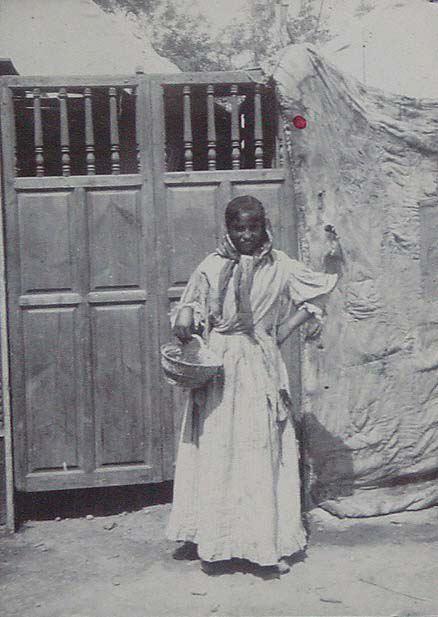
(38, 604)
(116, 583)
(58, 518)
(331, 600)
(44, 549)
(89, 517)
(215, 608)
(124, 514)
(110, 526)
(39, 545)
(115, 556)
(198, 593)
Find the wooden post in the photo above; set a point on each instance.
(89, 133)
(7, 161)
(38, 132)
(114, 132)
(211, 130)
(188, 136)
(235, 133)
(138, 132)
(14, 135)
(258, 128)
(65, 137)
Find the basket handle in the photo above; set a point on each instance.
(199, 339)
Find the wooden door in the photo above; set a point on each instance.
(190, 208)
(82, 295)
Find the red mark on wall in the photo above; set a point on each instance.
(299, 122)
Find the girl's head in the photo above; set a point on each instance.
(246, 224)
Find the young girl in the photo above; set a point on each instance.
(237, 485)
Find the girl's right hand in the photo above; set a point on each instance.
(183, 333)
(183, 327)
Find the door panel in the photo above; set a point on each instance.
(115, 227)
(86, 330)
(52, 373)
(45, 241)
(192, 227)
(119, 383)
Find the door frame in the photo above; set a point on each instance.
(4, 333)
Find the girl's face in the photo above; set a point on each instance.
(247, 231)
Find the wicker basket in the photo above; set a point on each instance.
(189, 365)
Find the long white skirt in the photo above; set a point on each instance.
(237, 485)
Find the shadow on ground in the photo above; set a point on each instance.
(96, 501)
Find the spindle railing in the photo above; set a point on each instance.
(94, 128)
(221, 126)
(76, 130)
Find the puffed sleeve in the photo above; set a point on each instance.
(195, 295)
(309, 289)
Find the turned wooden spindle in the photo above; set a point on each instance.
(188, 135)
(235, 134)
(279, 136)
(280, 142)
(211, 129)
(258, 128)
(114, 132)
(38, 133)
(89, 133)
(65, 136)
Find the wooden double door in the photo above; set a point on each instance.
(94, 262)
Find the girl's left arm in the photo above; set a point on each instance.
(305, 284)
(291, 324)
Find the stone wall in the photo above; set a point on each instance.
(367, 163)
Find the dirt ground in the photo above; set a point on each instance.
(120, 565)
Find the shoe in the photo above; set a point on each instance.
(186, 551)
(208, 567)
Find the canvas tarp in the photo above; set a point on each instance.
(367, 163)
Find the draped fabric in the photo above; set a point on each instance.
(237, 486)
(367, 163)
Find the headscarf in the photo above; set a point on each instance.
(244, 266)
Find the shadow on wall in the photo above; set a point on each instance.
(324, 456)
